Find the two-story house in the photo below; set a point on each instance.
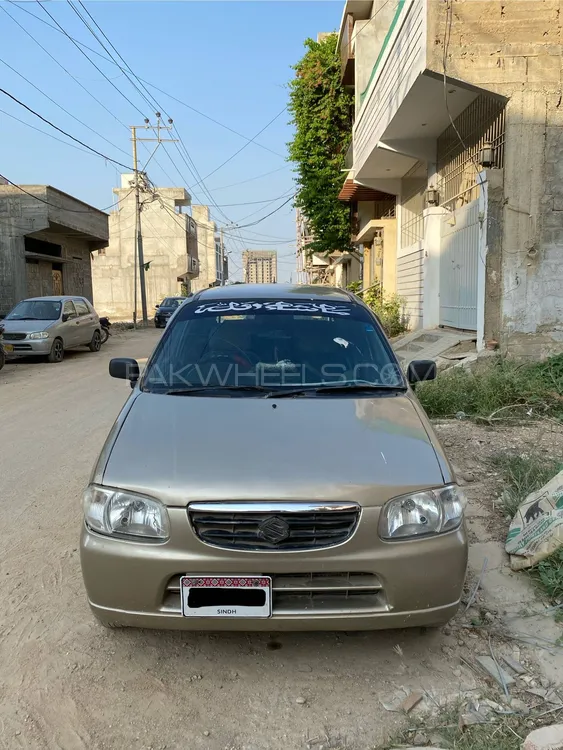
(458, 114)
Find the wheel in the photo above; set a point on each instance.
(57, 352)
(108, 624)
(96, 342)
(2, 357)
(156, 323)
(104, 335)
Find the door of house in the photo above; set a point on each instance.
(459, 263)
(57, 282)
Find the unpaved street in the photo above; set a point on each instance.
(68, 684)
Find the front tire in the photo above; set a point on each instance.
(57, 352)
(156, 324)
(2, 357)
(96, 342)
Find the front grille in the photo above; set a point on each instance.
(14, 336)
(273, 526)
(309, 594)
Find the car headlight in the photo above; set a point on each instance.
(125, 514)
(38, 335)
(422, 513)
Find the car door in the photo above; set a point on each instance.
(86, 322)
(67, 329)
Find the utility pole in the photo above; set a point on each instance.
(221, 230)
(222, 258)
(139, 255)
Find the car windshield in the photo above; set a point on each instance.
(171, 302)
(271, 344)
(31, 309)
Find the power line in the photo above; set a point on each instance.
(60, 106)
(102, 45)
(49, 203)
(68, 135)
(49, 135)
(74, 78)
(251, 179)
(148, 83)
(254, 223)
(79, 48)
(246, 144)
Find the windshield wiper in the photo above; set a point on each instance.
(344, 388)
(216, 389)
(26, 318)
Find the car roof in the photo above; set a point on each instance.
(276, 291)
(171, 296)
(60, 298)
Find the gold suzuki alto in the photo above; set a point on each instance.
(272, 469)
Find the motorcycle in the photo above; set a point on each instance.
(105, 326)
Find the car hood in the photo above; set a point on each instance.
(25, 326)
(361, 449)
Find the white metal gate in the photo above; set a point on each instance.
(459, 263)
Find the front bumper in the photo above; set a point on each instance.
(418, 583)
(28, 348)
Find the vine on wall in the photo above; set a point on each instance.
(322, 115)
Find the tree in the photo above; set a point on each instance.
(322, 115)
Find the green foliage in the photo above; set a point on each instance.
(549, 574)
(322, 115)
(523, 475)
(497, 390)
(389, 308)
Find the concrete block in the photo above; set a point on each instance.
(546, 738)
(544, 70)
(495, 70)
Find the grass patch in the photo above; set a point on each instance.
(523, 475)
(504, 733)
(549, 574)
(511, 387)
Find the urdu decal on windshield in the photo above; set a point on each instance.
(281, 305)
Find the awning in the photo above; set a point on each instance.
(354, 192)
(47, 258)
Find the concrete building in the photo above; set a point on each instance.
(170, 251)
(46, 238)
(260, 266)
(213, 265)
(458, 114)
(337, 269)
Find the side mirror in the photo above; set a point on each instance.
(125, 368)
(420, 370)
(65, 317)
(156, 307)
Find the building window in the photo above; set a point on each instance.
(412, 205)
(459, 149)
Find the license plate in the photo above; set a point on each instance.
(8, 347)
(226, 596)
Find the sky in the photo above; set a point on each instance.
(229, 60)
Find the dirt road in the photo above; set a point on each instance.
(67, 684)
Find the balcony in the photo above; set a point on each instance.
(347, 52)
(402, 109)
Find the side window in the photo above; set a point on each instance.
(69, 309)
(81, 307)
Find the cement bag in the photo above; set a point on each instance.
(536, 530)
